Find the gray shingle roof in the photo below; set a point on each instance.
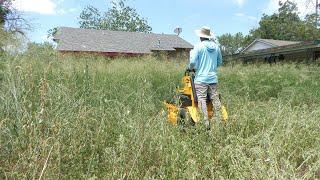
(288, 49)
(271, 42)
(279, 42)
(91, 40)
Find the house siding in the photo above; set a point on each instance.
(178, 54)
(302, 51)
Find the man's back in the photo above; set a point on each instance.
(205, 58)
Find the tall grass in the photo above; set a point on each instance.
(94, 118)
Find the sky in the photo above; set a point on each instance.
(222, 16)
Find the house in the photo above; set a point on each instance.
(277, 50)
(114, 43)
(259, 44)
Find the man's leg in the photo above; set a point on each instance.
(215, 99)
(201, 91)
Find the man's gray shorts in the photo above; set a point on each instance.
(202, 91)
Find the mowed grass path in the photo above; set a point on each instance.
(94, 118)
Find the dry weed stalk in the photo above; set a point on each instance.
(43, 89)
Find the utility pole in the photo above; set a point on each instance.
(317, 12)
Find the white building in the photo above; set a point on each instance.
(260, 44)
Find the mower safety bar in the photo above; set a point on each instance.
(188, 71)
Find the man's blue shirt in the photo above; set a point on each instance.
(206, 58)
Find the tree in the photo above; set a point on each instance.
(12, 28)
(282, 25)
(232, 44)
(4, 10)
(52, 32)
(91, 19)
(11, 20)
(286, 25)
(310, 29)
(119, 18)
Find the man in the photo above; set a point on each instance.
(205, 58)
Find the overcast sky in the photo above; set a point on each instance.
(223, 16)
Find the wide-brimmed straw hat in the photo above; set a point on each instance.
(204, 32)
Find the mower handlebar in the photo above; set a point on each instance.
(189, 71)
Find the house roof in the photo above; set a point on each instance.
(271, 42)
(279, 42)
(288, 49)
(91, 40)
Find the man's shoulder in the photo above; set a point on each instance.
(199, 45)
(205, 45)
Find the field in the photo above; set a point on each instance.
(94, 118)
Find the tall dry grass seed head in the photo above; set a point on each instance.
(273, 131)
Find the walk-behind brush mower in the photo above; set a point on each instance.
(184, 107)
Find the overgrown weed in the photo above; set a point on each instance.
(96, 118)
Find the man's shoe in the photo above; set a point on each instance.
(207, 124)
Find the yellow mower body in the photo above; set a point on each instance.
(189, 105)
